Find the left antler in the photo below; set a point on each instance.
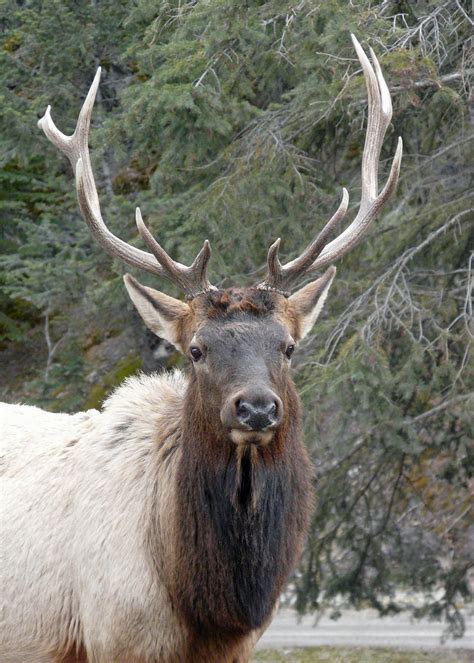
(319, 253)
(192, 280)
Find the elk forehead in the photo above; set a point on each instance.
(237, 300)
(235, 306)
(238, 323)
(239, 336)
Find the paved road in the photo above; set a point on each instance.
(362, 628)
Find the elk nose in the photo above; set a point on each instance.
(258, 415)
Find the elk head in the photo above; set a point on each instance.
(239, 341)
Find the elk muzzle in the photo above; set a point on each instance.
(252, 415)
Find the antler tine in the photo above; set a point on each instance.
(282, 277)
(379, 116)
(193, 280)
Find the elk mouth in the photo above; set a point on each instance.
(251, 437)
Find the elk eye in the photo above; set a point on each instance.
(196, 353)
(289, 350)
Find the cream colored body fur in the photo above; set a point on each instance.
(76, 504)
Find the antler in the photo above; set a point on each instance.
(318, 254)
(192, 280)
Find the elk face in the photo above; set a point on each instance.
(240, 344)
(241, 361)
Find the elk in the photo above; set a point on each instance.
(163, 528)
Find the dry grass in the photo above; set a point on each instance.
(361, 655)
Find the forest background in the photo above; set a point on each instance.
(241, 122)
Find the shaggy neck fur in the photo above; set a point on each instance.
(241, 520)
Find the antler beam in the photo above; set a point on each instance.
(192, 280)
(319, 254)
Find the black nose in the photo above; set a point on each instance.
(257, 416)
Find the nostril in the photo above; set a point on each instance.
(271, 409)
(242, 409)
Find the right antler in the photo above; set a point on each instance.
(192, 280)
(318, 254)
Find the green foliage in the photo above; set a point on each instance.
(127, 366)
(241, 122)
(63, 389)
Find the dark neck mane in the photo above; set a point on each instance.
(241, 519)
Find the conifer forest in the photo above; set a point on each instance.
(241, 122)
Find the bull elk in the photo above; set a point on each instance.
(163, 529)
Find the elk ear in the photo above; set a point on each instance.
(306, 304)
(162, 314)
